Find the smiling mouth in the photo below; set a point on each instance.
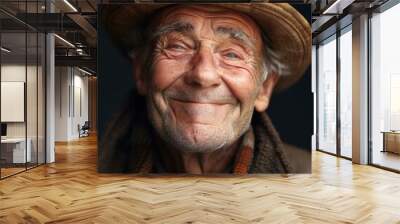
(201, 110)
(222, 102)
(199, 102)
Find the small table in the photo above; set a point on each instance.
(391, 141)
(16, 147)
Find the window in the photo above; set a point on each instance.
(327, 95)
(385, 88)
(346, 92)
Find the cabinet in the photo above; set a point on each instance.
(391, 141)
(13, 150)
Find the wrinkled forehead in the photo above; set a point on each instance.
(215, 13)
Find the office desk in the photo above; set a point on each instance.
(391, 141)
(15, 148)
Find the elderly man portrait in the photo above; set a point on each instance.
(203, 77)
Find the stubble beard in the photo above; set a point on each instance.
(195, 138)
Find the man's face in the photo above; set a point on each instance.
(206, 77)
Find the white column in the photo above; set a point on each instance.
(360, 90)
(50, 92)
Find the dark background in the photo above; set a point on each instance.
(291, 111)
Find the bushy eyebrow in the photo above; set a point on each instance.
(237, 34)
(187, 28)
(179, 26)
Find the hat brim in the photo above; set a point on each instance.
(288, 31)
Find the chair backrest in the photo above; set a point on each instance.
(86, 125)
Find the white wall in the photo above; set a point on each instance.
(33, 126)
(12, 73)
(80, 110)
(61, 103)
(16, 73)
(71, 94)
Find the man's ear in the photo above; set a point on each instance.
(138, 77)
(264, 96)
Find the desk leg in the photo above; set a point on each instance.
(384, 142)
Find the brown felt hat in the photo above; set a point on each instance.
(288, 31)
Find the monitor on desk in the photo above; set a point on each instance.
(3, 130)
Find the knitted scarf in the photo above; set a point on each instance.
(127, 146)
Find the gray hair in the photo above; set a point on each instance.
(272, 61)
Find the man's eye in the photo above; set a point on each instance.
(232, 55)
(176, 47)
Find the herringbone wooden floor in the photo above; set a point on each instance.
(71, 191)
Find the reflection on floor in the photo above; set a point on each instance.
(387, 159)
(10, 169)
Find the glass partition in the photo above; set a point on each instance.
(22, 78)
(346, 92)
(385, 89)
(14, 153)
(31, 100)
(327, 95)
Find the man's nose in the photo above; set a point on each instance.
(204, 70)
